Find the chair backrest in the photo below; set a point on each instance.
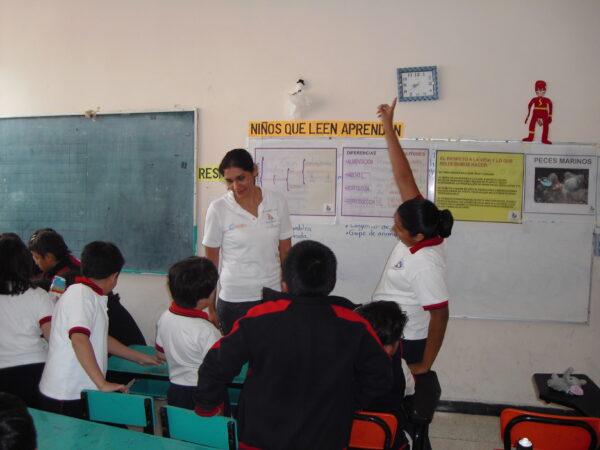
(118, 408)
(373, 430)
(184, 424)
(549, 432)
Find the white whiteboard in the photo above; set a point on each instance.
(539, 270)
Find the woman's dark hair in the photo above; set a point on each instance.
(420, 215)
(310, 269)
(192, 279)
(386, 318)
(16, 265)
(46, 240)
(17, 431)
(238, 157)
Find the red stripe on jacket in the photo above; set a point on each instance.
(347, 314)
(257, 311)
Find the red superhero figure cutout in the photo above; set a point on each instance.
(542, 113)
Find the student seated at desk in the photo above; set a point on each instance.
(388, 320)
(312, 363)
(25, 313)
(79, 341)
(17, 431)
(184, 333)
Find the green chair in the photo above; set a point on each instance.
(147, 386)
(184, 424)
(119, 409)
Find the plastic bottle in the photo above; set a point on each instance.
(57, 287)
(524, 444)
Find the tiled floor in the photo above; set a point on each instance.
(452, 431)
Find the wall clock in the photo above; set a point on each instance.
(417, 83)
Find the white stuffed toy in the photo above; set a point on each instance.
(567, 383)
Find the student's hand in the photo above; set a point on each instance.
(148, 360)
(161, 356)
(214, 318)
(113, 387)
(386, 112)
(418, 368)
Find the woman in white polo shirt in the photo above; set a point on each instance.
(25, 313)
(415, 273)
(248, 231)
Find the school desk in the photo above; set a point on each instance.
(67, 433)
(117, 364)
(587, 404)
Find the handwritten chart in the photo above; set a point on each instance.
(368, 186)
(306, 176)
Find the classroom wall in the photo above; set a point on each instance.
(236, 60)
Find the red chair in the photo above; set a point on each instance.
(549, 432)
(373, 430)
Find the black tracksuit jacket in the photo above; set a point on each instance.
(312, 363)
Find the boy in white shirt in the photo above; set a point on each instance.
(184, 333)
(79, 341)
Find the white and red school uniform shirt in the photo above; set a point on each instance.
(185, 336)
(21, 316)
(81, 309)
(249, 245)
(415, 278)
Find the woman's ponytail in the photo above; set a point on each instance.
(445, 223)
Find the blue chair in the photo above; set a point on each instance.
(184, 424)
(120, 409)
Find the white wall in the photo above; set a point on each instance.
(234, 60)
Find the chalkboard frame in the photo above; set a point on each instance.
(71, 151)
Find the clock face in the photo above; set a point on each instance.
(417, 83)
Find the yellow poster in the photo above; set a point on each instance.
(480, 186)
(320, 128)
(209, 173)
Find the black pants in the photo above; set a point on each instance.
(181, 396)
(229, 312)
(71, 408)
(412, 351)
(23, 381)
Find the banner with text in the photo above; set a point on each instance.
(320, 128)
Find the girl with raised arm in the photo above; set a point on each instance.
(415, 273)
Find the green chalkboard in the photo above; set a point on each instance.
(124, 178)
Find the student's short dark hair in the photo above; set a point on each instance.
(16, 265)
(192, 279)
(100, 260)
(386, 318)
(46, 240)
(310, 269)
(238, 157)
(17, 431)
(420, 215)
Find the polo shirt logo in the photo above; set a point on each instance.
(233, 226)
(270, 217)
(399, 264)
